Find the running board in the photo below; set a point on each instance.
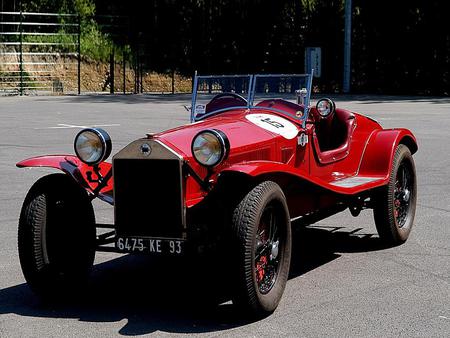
(355, 181)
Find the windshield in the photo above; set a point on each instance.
(215, 94)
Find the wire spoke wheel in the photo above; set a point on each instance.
(266, 250)
(402, 194)
(395, 204)
(262, 235)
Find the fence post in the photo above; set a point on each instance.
(136, 73)
(79, 55)
(173, 81)
(193, 82)
(21, 54)
(111, 70)
(141, 77)
(135, 66)
(124, 64)
(347, 46)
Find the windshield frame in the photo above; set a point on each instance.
(252, 93)
(201, 77)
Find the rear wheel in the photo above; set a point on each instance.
(395, 204)
(262, 239)
(56, 237)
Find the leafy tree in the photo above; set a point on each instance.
(398, 46)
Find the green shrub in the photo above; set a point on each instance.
(94, 44)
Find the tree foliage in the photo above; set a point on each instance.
(398, 46)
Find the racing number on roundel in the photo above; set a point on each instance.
(275, 124)
(272, 123)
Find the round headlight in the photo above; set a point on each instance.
(210, 147)
(92, 145)
(325, 107)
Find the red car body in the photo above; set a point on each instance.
(365, 158)
(273, 162)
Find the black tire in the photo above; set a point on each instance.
(395, 204)
(56, 237)
(256, 293)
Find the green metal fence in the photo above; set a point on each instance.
(32, 46)
(42, 53)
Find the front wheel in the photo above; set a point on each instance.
(56, 237)
(395, 204)
(262, 248)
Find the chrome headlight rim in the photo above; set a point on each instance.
(223, 142)
(104, 140)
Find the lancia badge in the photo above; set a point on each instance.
(146, 149)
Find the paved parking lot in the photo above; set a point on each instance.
(342, 282)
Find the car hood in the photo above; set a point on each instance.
(253, 135)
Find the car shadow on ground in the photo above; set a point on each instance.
(377, 99)
(155, 295)
(185, 98)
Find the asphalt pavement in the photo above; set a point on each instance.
(342, 282)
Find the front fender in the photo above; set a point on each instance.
(76, 169)
(267, 169)
(380, 150)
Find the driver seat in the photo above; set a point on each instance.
(332, 136)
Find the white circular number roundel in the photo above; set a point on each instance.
(275, 124)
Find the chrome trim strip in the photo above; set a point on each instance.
(136, 155)
(182, 186)
(364, 151)
(169, 149)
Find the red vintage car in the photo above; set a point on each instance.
(230, 180)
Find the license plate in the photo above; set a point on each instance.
(150, 245)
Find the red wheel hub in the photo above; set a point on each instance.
(260, 271)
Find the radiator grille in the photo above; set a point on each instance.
(148, 198)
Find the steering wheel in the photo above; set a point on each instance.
(215, 101)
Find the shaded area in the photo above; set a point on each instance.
(128, 99)
(173, 296)
(377, 99)
(185, 99)
(314, 246)
(398, 47)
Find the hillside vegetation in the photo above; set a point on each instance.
(398, 47)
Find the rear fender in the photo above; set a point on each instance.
(76, 169)
(380, 150)
(375, 162)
